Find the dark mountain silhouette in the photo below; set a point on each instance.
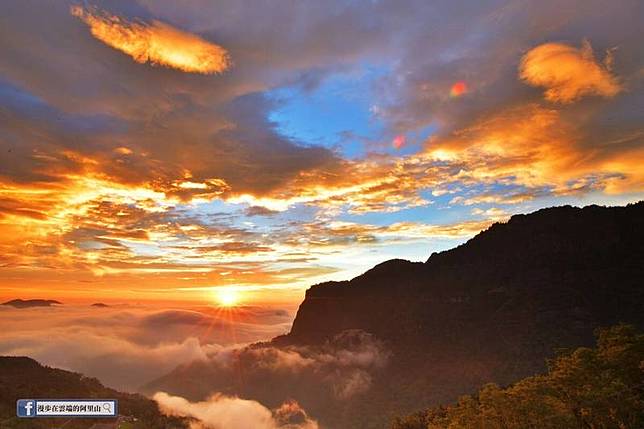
(490, 310)
(22, 377)
(562, 268)
(100, 305)
(28, 303)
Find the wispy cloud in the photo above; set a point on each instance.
(156, 43)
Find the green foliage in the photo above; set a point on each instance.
(599, 388)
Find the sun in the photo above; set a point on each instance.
(227, 297)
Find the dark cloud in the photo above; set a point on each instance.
(214, 127)
(259, 211)
(211, 126)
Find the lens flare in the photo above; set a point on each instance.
(399, 141)
(156, 43)
(458, 89)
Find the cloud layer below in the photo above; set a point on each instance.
(127, 346)
(222, 412)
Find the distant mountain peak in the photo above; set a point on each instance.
(28, 303)
(100, 305)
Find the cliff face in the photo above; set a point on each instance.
(496, 306)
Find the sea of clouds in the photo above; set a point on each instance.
(203, 363)
(126, 346)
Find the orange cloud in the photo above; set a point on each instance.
(537, 147)
(568, 73)
(156, 43)
(89, 229)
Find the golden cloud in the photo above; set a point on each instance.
(568, 73)
(87, 228)
(91, 229)
(537, 148)
(156, 43)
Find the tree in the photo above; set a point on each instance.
(598, 388)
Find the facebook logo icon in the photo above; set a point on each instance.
(26, 408)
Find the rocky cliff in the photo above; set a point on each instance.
(495, 307)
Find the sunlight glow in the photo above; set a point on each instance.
(227, 297)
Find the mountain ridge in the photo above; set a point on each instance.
(539, 253)
(29, 303)
(23, 377)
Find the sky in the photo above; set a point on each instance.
(240, 151)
